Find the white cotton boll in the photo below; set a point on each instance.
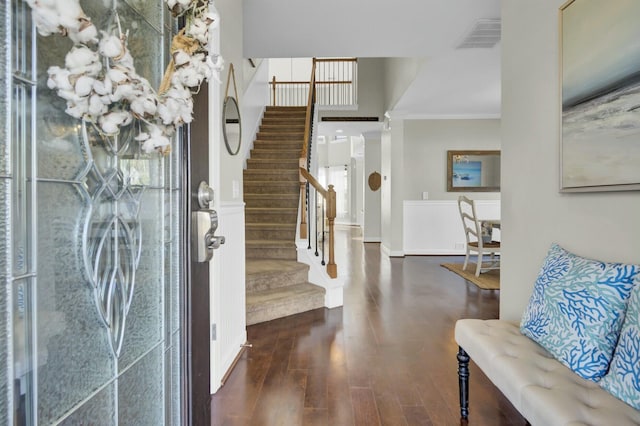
(188, 77)
(199, 30)
(143, 136)
(164, 114)
(148, 146)
(47, 21)
(94, 69)
(137, 106)
(171, 4)
(97, 106)
(111, 122)
(180, 93)
(77, 110)
(185, 115)
(110, 45)
(180, 57)
(156, 139)
(70, 13)
(103, 87)
(116, 76)
(88, 33)
(155, 143)
(124, 91)
(69, 7)
(59, 78)
(167, 111)
(150, 106)
(84, 85)
(184, 2)
(81, 60)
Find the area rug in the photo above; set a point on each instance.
(489, 280)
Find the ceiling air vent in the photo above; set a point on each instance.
(484, 34)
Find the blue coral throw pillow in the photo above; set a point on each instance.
(577, 309)
(623, 378)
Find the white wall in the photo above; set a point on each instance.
(399, 73)
(256, 96)
(231, 49)
(290, 69)
(227, 269)
(357, 188)
(372, 163)
(393, 177)
(534, 214)
(426, 143)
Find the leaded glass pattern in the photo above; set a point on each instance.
(70, 332)
(100, 409)
(6, 387)
(141, 391)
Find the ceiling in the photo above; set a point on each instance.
(451, 83)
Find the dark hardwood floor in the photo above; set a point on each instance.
(387, 357)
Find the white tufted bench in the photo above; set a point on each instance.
(543, 390)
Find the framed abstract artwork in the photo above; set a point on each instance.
(600, 80)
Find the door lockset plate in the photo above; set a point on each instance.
(203, 241)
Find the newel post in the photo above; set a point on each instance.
(303, 202)
(273, 87)
(332, 269)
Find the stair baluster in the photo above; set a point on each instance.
(324, 212)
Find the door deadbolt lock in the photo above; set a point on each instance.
(203, 241)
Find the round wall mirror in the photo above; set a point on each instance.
(231, 126)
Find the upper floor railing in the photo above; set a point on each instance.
(336, 84)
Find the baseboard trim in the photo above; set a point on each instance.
(389, 253)
(437, 252)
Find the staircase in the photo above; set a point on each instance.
(276, 283)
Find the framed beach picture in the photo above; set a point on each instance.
(477, 171)
(600, 80)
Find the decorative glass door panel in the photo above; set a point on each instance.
(92, 250)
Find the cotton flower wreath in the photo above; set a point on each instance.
(99, 80)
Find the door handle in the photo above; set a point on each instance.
(214, 242)
(203, 225)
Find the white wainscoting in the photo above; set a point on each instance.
(228, 307)
(434, 226)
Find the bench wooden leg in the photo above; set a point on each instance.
(463, 382)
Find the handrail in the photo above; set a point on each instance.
(309, 115)
(305, 150)
(309, 178)
(306, 178)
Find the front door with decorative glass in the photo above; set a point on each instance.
(93, 209)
